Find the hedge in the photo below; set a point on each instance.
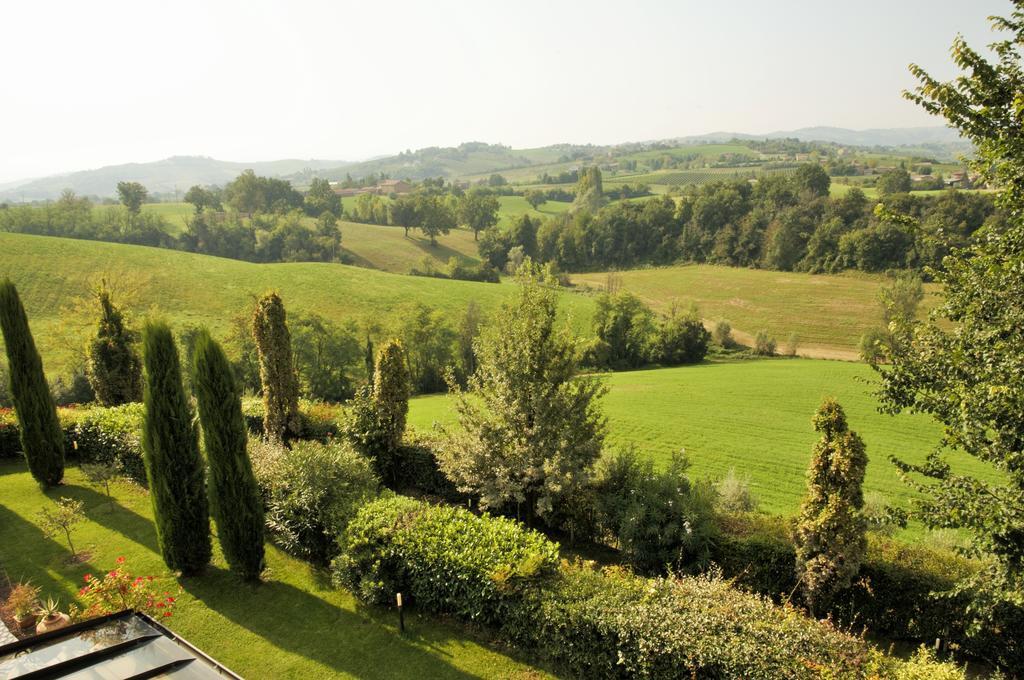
(598, 624)
(447, 560)
(891, 596)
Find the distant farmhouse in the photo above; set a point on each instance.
(382, 188)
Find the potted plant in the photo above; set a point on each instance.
(51, 617)
(22, 602)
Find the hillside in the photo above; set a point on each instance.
(754, 417)
(169, 175)
(829, 313)
(187, 288)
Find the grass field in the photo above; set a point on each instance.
(176, 214)
(514, 206)
(754, 416)
(293, 625)
(388, 249)
(829, 313)
(187, 288)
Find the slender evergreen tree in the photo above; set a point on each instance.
(277, 371)
(234, 496)
(174, 467)
(391, 388)
(41, 437)
(115, 370)
(830, 533)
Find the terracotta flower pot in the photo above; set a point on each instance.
(26, 621)
(55, 622)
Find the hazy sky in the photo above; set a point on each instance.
(86, 84)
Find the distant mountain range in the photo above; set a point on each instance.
(886, 137)
(178, 173)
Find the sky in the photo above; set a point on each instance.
(87, 84)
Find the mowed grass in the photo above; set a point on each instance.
(754, 417)
(176, 214)
(512, 207)
(293, 625)
(186, 288)
(829, 313)
(388, 248)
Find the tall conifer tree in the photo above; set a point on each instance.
(115, 370)
(277, 370)
(174, 467)
(830, 534)
(234, 496)
(41, 437)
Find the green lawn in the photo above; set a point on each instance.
(294, 625)
(176, 214)
(515, 206)
(754, 416)
(388, 249)
(829, 313)
(187, 288)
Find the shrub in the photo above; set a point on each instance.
(734, 494)
(792, 345)
(764, 344)
(118, 590)
(311, 493)
(446, 560)
(722, 334)
(115, 371)
(680, 339)
(611, 624)
(108, 436)
(41, 438)
(417, 468)
(656, 518)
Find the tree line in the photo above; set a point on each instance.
(787, 223)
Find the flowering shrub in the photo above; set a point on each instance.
(119, 590)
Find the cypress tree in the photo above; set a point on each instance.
(277, 372)
(115, 370)
(174, 467)
(42, 439)
(830, 533)
(234, 496)
(390, 399)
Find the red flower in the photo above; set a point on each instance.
(87, 578)
(166, 614)
(120, 560)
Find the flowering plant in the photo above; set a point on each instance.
(119, 590)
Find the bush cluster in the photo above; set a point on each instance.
(611, 623)
(447, 560)
(311, 492)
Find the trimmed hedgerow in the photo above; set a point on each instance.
(608, 624)
(447, 560)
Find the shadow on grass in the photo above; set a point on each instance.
(28, 555)
(438, 251)
(304, 624)
(110, 514)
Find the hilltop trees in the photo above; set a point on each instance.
(234, 496)
(277, 372)
(895, 181)
(202, 198)
(114, 368)
(41, 437)
(174, 468)
(830, 533)
(589, 191)
(530, 433)
(132, 195)
(435, 216)
(249, 193)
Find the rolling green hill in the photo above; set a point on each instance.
(187, 288)
(829, 313)
(754, 416)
